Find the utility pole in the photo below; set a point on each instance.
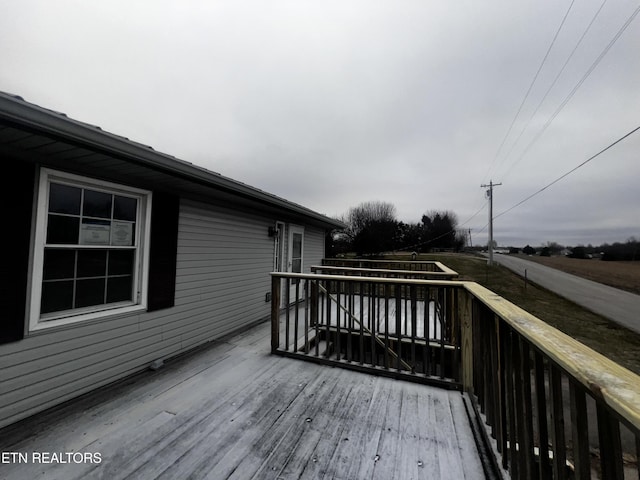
(490, 195)
(470, 242)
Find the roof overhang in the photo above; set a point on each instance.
(52, 138)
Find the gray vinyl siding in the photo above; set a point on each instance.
(223, 263)
(313, 247)
(222, 272)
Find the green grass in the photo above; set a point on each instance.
(616, 342)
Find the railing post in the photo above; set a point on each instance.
(465, 314)
(399, 326)
(526, 446)
(275, 314)
(450, 318)
(557, 420)
(414, 326)
(541, 416)
(492, 324)
(610, 444)
(314, 302)
(501, 343)
(579, 431)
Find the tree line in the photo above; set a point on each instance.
(617, 251)
(372, 228)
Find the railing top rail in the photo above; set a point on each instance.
(425, 273)
(392, 260)
(606, 380)
(445, 269)
(403, 281)
(439, 265)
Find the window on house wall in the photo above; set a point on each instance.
(91, 249)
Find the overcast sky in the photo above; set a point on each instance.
(332, 103)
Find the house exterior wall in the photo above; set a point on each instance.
(313, 248)
(223, 263)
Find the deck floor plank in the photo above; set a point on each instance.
(285, 457)
(218, 420)
(193, 409)
(364, 435)
(386, 452)
(348, 445)
(256, 452)
(333, 426)
(233, 410)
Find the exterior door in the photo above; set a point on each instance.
(295, 258)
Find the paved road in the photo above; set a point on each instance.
(617, 305)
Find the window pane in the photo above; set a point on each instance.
(297, 245)
(123, 233)
(97, 204)
(64, 199)
(56, 296)
(296, 266)
(95, 232)
(119, 289)
(62, 230)
(89, 292)
(124, 208)
(92, 263)
(59, 264)
(121, 262)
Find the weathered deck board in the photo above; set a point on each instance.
(234, 411)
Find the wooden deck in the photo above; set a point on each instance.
(233, 410)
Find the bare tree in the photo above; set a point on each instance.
(362, 216)
(372, 227)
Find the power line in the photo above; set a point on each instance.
(482, 229)
(474, 215)
(535, 77)
(570, 171)
(575, 89)
(555, 80)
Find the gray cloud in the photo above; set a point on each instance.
(333, 103)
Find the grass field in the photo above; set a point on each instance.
(622, 275)
(604, 336)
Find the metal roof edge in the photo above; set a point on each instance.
(15, 109)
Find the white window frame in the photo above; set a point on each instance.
(141, 266)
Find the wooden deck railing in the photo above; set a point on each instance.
(556, 408)
(553, 408)
(396, 327)
(412, 265)
(435, 274)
